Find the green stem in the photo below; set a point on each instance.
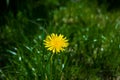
(51, 66)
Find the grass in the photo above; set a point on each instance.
(92, 54)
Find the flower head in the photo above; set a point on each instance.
(55, 43)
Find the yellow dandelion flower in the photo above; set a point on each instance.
(55, 43)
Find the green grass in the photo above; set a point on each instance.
(93, 53)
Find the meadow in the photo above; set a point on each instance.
(92, 34)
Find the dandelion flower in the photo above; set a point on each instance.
(55, 43)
